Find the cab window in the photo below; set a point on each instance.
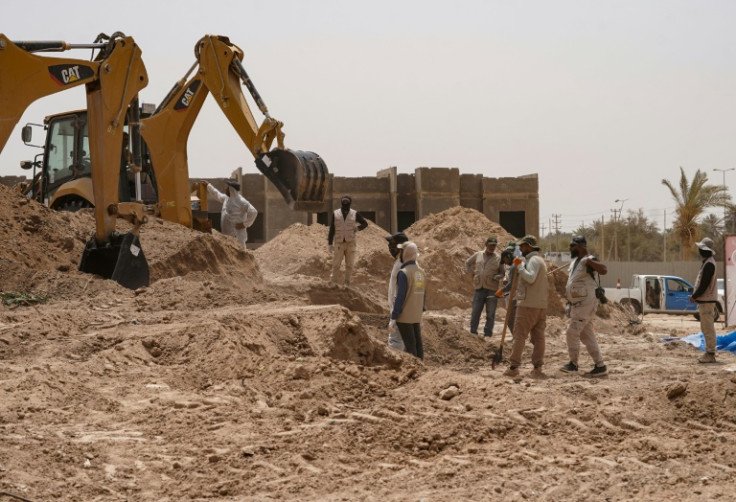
(677, 286)
(60, 149)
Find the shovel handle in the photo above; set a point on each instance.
(514, 281)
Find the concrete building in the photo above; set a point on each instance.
(395, 201)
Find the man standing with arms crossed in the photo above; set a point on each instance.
(346, 223)
(531, 309)
(582, 303)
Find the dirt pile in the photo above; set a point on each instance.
(241, 375)
(42, 249)
(445, 241)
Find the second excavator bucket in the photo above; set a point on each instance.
(301, 177)
(121, 260)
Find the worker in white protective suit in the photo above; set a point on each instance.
(237, 213)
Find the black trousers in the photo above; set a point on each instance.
(411, 334)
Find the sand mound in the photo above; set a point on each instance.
(42, 249)
(445, 241)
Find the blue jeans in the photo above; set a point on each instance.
(483, 297)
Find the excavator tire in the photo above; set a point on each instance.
(300, 177)
(73, 205)
(121, 260)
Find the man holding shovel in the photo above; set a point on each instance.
(531, 310)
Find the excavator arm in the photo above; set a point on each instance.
(26, 77)
(112, 82)
(301, 177)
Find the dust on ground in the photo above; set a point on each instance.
(241, 375)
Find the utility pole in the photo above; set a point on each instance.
(615, 233)
(603, 237)
(617, 219)
(724, 171)
(628, 239)
(557, 229)
(664, 234)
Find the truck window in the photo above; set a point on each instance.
(677, 285)
(653, 293)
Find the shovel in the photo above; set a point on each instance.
(498, 358)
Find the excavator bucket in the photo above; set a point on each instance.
(301, 177)
(121, 260)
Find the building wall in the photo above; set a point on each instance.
(394, 201)
(436, 190)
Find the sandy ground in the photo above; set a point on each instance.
(245, 376)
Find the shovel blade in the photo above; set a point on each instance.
(497, 358)
(121, 260)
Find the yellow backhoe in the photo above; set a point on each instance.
(112, 81)
(301, 177)
(156, 173)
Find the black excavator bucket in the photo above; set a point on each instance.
(121, 260)
(301, 177)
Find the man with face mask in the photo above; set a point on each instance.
(394, 337)
(705, 294)
(581, 306)
(237, 213)
(531, 307)
(345, 224)
(408, 309)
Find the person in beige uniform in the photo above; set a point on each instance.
(581, 306)
(531, 309)
(487, 270)
(705, 294)
(409, 302)
(341, 238)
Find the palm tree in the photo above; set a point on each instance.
(692, 199)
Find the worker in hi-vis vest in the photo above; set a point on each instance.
(345, 224)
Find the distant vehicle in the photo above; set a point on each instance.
(660, 294)
(558, 258)
(720, 284)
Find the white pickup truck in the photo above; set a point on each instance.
(658, 294)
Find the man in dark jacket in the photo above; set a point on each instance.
(706, 296)
(409, 303)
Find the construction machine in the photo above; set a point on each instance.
(301, 177)
(112, 82)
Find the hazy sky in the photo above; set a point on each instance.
(602, 99)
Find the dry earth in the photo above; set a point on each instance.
(245, 376)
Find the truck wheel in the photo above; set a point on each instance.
(696, 315)
(631, 305)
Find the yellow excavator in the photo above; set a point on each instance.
(112, 81)
(66, 178)
(301, 177)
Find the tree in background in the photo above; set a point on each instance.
(712, 226)
(638, 238)
(692, 198)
